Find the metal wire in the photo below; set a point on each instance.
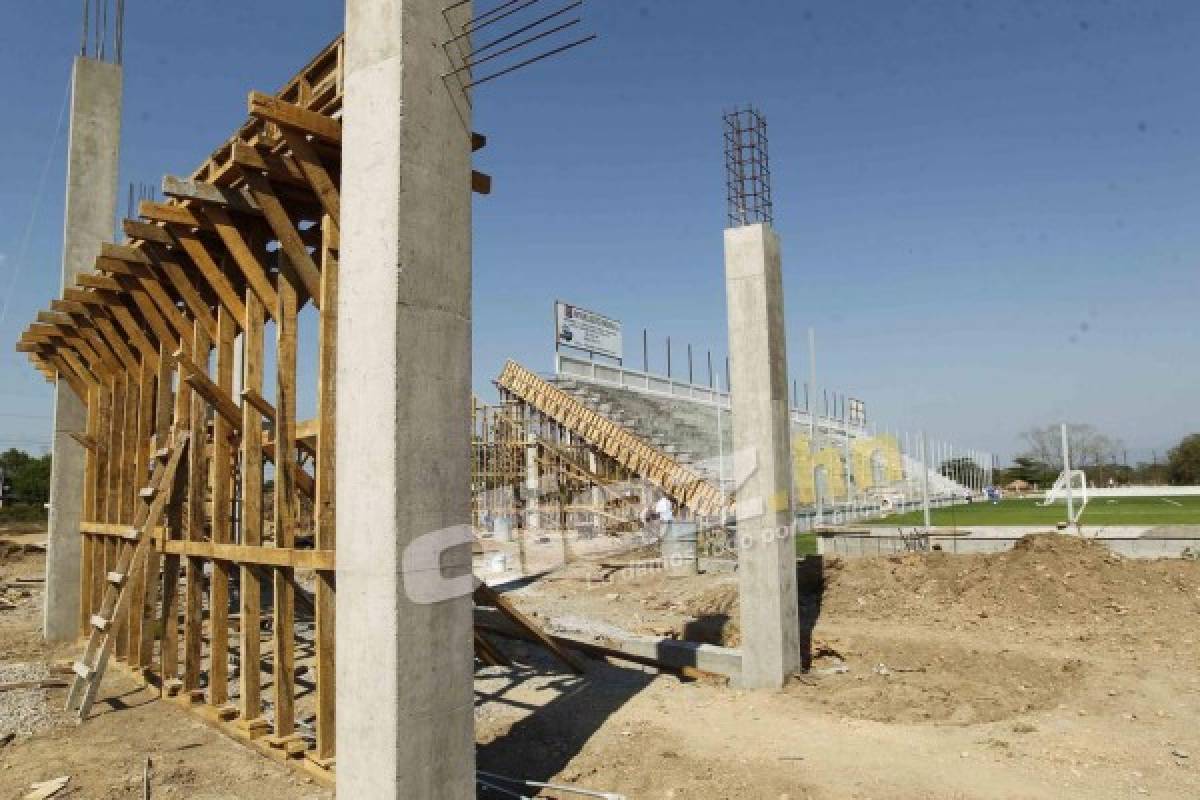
(83, 42)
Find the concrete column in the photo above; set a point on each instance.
(404, 611)
(91, 209)
(533, 488)
(761, 442)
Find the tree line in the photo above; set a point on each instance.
(1096, 454)
(24, 479)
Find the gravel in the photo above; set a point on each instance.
(26, 711)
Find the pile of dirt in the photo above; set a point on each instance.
(1044, 576)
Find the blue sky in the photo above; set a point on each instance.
(990, 211)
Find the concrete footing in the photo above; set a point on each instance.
(91, 207)
(762, 453)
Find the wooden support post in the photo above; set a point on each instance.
(169, 652)
(162, 434)
(252, 516)
(197, 498)
(102, 513)
(324, 505)
(88, 543)
(137, 580)
(285, 497)
(220, 480)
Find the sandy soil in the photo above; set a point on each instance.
(1054, 671)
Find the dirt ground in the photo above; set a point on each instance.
(1052, 671)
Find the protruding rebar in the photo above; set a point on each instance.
(529, 61)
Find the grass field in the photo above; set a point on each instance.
(1099, 511)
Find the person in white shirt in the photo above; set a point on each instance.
(664, 509)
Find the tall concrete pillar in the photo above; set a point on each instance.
(404, 610)
(91, 209)
(762, 445)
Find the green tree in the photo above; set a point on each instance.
(29, 477)
(1183, 462)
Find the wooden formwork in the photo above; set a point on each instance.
(192, 325)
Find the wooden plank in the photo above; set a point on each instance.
(486, 595)
(163, 397)
(128, 487)
(298, 258)
(315, 172)
(146, 232)
(223, 196)
(176, 530)
(172, 213)
(221, 475)
(193, 610)
(481, 183)
(186, 288)
(247, 257)
(285, 500)
(87, 544)
(92, 281)
(325, 597)
(197, 251)
(258, 402)
(252, 557)
(250, 702)
(284, 114)
(137, 582)
(114, 339)
(278, 168)
(123, 252)
(227, 410)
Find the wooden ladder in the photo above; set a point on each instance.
(132, 547)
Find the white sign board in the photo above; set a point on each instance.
(586, 330)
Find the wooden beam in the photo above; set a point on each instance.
(256, 555)
(221, 471)
(170, 212)
(238, 200)
(278, 168)
(314, 171)
(247, 257)
(289, 238)
(252, 507)
(284, 114)
(324, 598)
(259, 403)
(146, 232)
(481, 183)
(99, 282)
(123, 252)
(197, 251)
(212, 393)
(185, 287)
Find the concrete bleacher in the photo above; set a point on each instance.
(687, 429)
